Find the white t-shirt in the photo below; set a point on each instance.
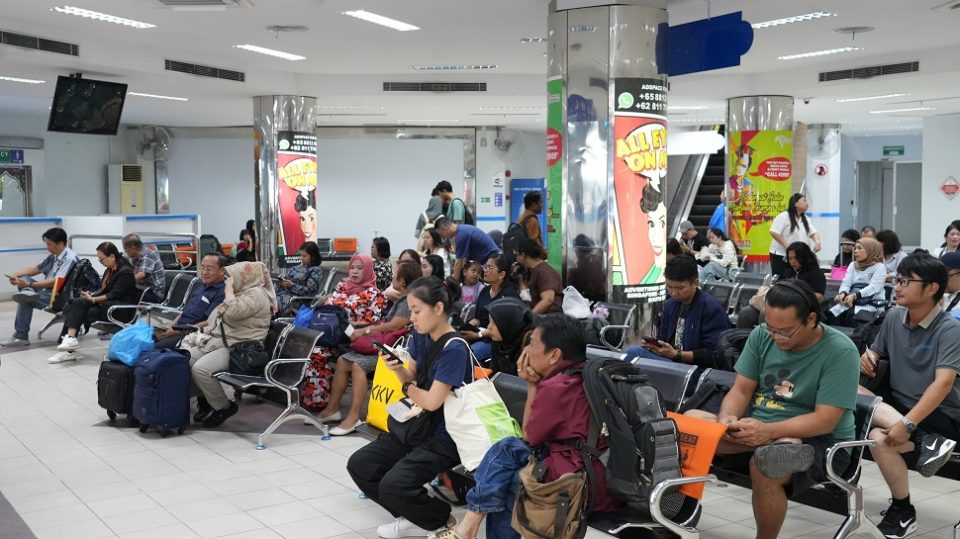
(781, 225)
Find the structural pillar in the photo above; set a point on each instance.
(759, 167)
(606, 150)
(285, 175)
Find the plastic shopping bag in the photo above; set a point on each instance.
(127, 345)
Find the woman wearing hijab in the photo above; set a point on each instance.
(511, 322)
(862, 287)
(365, 305)
(248, 304)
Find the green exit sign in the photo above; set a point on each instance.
(893, 151)
(11, 156)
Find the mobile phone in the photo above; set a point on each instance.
(391, 354)
(651, 340)
(185, 328)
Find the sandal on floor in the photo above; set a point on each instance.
(337, 431)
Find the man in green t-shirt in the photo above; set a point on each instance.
(794, 397)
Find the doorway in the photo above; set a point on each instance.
(889, 195)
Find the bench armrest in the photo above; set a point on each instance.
(112, 318)
(603, 335)
(660, 489)
(274, 363)
(832, 452)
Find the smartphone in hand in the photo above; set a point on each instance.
(652, 341)
(389, 353)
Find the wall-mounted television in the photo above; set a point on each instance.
(86, 106)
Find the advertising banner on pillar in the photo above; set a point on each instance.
(555, 200)
(758, 187)
(638, 220)
(296, 193)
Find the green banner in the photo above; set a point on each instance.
(555, 198)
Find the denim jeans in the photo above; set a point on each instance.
(21, 324)
(482, 349)
(498, 479)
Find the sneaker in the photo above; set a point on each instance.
(402, 528)
(25, 296)
(217, 418)
(935, 451)
(203, 410)
(68, 344)
(63, 357)
(15, 342)
(450, 532)
(898, 522)
(781, 460)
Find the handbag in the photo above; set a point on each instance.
(837, 273)
(364, 345)
(385, 390)
(476, 417)
(558, 509)
(417, 430)
(131, 341)
(330, 320)
(248, 358)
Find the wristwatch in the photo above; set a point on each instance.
(679, 357)
(909, 425)
(405, 387)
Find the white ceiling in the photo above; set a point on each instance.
(349, 59)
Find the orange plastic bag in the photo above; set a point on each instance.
(698, 444)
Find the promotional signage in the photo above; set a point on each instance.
(758, 187)
(296, 193)
(518, 189)
(8, 156)
(893, 151)
(555, 200)
(638, 217)
(950, 187)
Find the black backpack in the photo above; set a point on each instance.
(87, 280)
(729, 347)
(866, 330)
(515, 235)
(468, 218)
(642, 448)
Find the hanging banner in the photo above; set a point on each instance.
(638, 220)
(555, 199)
(296, 193)
(758, 187)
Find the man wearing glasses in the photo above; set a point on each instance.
(794, 397)
(921, 409)
(206, 296)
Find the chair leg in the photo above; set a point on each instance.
(291, 412)
(57, 318)
(956, 531)
(857, 524)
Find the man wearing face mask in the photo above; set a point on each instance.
(206, 296)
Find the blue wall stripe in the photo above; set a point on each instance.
(490, 218)
(824, 214)
(24, 250)
(5, 220)
(160, 217)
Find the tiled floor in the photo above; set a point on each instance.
(68, 473)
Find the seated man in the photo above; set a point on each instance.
(545, 284)
(692, 320)
(922, 407)
(147, 269)
(35, 294)
(206, 296)
(691, 239)
(951, 300)
(471, 243)
(793, 398)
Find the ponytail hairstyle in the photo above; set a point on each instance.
(792, 212)
(432, 290)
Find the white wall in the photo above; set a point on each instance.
(941, 139)
(531, 163)
(870, 148)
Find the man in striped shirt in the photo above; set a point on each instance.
(147, 269)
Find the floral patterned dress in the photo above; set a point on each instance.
(367, 307)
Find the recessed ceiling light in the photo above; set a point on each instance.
(685, 107)
(271, 52)
(18, 79)
(451, 67)
(824, 52)
(911, 109)
(349, 107)
(400, 26)
(155, 96)
(97, 16)
(869, 98)
(533, 40)
(512, 107)
(794, 19)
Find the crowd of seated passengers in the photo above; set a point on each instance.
(501, 283)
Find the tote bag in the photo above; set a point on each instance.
(385, 390)
(476, 418)
(698, 444)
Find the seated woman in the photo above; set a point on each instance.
(249, 302)
(355, 367)
(246, 248)
(500, 284)
(431, 243)
(509, 327)
(802, 264)
(862, 287)
(892, 252)
(556, 412)
(409, 255)
(380, 252)
(118, 287)
(365, 305)
(433, 265)
(720, 256)
(303, 280)
(393, 473)
(848, 239)
(470, 284)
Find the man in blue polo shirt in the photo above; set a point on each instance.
(204, 298)
(470, 242)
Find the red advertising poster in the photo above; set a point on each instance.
(296, 192)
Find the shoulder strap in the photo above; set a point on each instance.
(953, 302)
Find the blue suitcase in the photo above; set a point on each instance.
(161, 396)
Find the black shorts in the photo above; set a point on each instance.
(935, 423)
(817, 473)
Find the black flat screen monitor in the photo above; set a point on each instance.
(87, 106)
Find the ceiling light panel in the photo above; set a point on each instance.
(869, 98)
(792, 20)
(453, 67)
(156, 96)
(526, 40)
(271, 52)
(825, 52)
(685, 107)
(394, 24)
(18, 79)
(104, 17)
(893, 111)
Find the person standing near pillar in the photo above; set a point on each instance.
(790, 226)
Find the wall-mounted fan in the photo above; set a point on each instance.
(826, 145)
(153, 143)
(507, 146)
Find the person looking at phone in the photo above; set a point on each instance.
(921, 409)
(391, 472)
(501, 283)
(302, 280)
(794, 397)
(205, 296)
(691, 323)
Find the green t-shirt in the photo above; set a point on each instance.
(790, 384)
(457, 212)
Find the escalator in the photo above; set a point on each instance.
(709, 192)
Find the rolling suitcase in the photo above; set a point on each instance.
(115, 384)
(161, 397)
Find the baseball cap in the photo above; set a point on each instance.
(685, 226)
(951, 260)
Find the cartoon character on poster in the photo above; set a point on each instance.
(296, 190)
(740, 186)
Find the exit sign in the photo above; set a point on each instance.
(11, 156)
(893, 151)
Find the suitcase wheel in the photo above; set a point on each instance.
(181, 430)
(112, 416)
(143, 428)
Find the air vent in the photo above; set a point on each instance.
(131, 173)
(869, 72)
(435, 87)
(204, 71)
(38, 43)
(204, 3)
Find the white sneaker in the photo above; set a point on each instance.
(63, 357)
(402, 528)
(68, 344)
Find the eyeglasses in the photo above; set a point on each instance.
(780, 334)
(904, 282)
(953, 273)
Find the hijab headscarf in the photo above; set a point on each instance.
(368, 278)
(874, 251)
(251, 275)
(514, 319)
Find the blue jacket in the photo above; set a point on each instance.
(702, 326)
